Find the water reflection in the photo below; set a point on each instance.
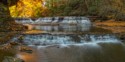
(64, 28)
(87, 52)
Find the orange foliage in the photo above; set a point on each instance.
(28, 8)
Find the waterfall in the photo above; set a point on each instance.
(58, 23)
(45, 39)
(65, 48)
(69, 47)
(24, 20)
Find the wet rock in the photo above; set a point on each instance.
(10, 45)
(20, 39)
(25, 49)
(14, 43)
(7, 47)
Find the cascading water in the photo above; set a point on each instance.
(48, 39)
(24, 20)
(73, 48)
(70, 47)
(67, 24)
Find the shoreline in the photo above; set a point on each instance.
(114, 26)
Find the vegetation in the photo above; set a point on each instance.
(28, 8)
(105, 9)
(111, 9)
(7, 23)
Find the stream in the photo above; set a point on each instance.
(67, 47)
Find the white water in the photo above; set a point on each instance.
(64, 24)
(47, 39)
(54, 20)
(73, 48)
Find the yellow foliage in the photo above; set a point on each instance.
(27, 8)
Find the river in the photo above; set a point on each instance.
(73, 47)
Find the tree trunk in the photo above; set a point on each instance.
(4, 13)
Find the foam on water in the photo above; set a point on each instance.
(66, 39)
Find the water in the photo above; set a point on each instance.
(52, 24)
(44, 20)
(49, 39)
(64, 48)
(70, 47)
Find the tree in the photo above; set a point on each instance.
(28, 8)
(6, 21)
(111, 9)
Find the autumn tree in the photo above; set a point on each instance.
(28, 8)
(6, 21)
(111, 9)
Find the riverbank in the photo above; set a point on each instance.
(114, 26)
(117, 27)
